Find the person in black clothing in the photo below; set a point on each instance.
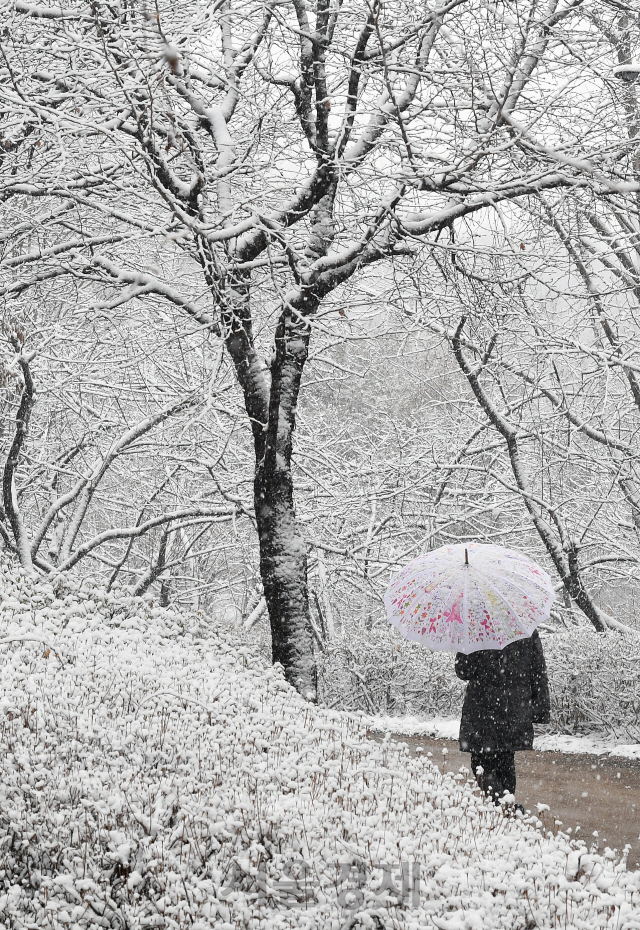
(507, 692)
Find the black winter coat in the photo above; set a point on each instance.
(508, 692)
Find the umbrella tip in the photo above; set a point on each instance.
(466, 556)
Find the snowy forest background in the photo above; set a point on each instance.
(292, 292)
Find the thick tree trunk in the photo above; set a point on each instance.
(271, 410)
(283, 567)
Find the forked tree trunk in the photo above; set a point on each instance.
(271, 409)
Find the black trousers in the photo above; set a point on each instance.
(498, 772)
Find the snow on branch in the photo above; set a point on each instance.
(215, 514)
(563, 553)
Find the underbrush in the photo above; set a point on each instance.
(594, 680)
(153, 774)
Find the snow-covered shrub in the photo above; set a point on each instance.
(595, 683)
(380, 673)
(153, 774)
(594, 680)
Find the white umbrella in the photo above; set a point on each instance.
(469, 596)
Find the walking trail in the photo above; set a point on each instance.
(593, 798)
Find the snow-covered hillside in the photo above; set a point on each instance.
(153, 775)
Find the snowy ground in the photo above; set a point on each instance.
(441, 728)
(152, 775)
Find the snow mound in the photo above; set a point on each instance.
(592, 746)
(445, 728)
(153, 775)
(436, 727)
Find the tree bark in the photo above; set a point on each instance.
(283, 567)
(9, 498)
(271, 410)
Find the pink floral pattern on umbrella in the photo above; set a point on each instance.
(501, 595)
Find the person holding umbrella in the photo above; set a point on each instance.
(507, 693)
(483, 602)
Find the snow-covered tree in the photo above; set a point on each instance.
(247, 161)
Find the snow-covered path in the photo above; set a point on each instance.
(585, 792)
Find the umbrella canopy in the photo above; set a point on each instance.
(469, 596)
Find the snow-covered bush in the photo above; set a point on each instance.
(381, 673)
(594, 680)
(595, 683)
(153, 774)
